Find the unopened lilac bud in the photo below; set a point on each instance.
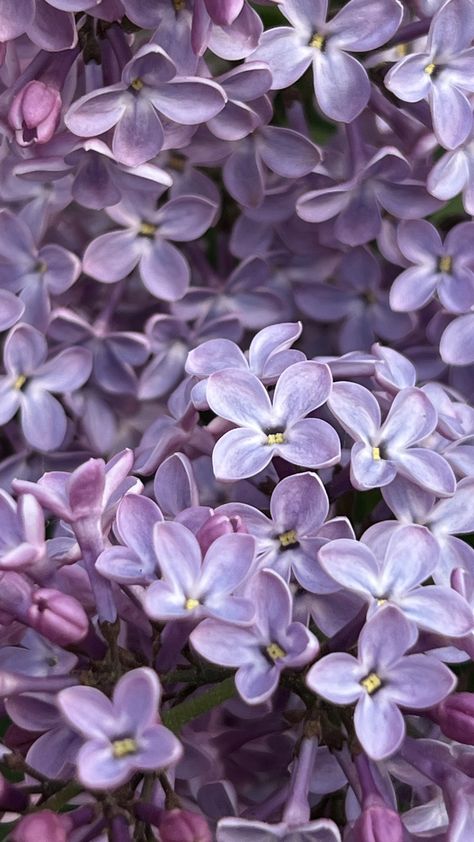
(57, 616)
(42, 825)
(12, 798)
(216, 526)
(183, 826)
(34, 113)
(378, 823)
(455, 717)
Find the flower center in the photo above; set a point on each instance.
(371, 683)
(121, 748)
(274, 651)
(376, 454)
(445, 263)
(430, 68)
(191, 604)
(317, 41)
(179, 5)
(147, 229)
(19, 382)
(137, 84)
(288, 539)
(276, 438)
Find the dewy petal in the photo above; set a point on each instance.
(352, 565)
(379, 725)
(341, 84)
(408, 80)
(179, 555)
(337, 677)
(300, 389)
(311, 443)
(438, 609)
(97, 112)
(299, 502)
(240, 454)
(362, 25)
(139, 134)
(43, 420)
(189, 101)
(412, 417)
(420, 681)
(357, 410)
(112, 256)
(240, 397)
(87, 710)
(428, 469)
(226, 564)
(452, 114)
(136, 698)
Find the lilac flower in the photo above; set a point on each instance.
(241, 830)
(267, 430)
(381, 679)
(439, 267)
(453, 174)
(457, 342)
(241, 85)
(262, 651)
(145, 242)
(134, 560)
(149, 88)
(443, 73)
(383, 450)
(410, 558)
(22, 538)
(290, 540)
(196, 587)
(289, 51)
(122, 735)
(30, 379)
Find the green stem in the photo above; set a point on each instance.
(176, 717)
(60, 799)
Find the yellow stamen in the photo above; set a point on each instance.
(402, 50)
(147, 229)
(317, 41)
(137, 84)
(275, 651)
(288, 538)
(430, 68)
(179, 5)
(190, 604)
(445, 263)
(376, 454)
(381, 601)
(123, 747)
(372, 683)
(19, 382)
(276, 438)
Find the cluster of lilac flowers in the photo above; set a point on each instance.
(236, 421)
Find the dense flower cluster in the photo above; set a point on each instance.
(237, 434)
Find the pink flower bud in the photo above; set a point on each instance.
(57, 616)
(455, 717)
(42, 825)
(183, 826)
(378, 823)
(216, 526)
(34, 113)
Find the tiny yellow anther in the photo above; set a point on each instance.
(123, 747)
(402, 50)
(445, 263)
(179, 5)
(20, 381)
(288, 538)
(147, 229)
(376, 453)
(274, 651)
(381, 601)
(276, 438)
(190, 604)
(137, 84)
(372, 683)
(430, 68)
(317, 41)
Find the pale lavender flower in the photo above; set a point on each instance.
(457, 342)
(134, 561)
(122, 735)
(444, 74)
(380, 679)
(357, 27)
(383, 450)
(22, 538)
(262, 651)
(269, 429)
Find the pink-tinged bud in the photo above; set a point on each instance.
(216, 526)
(455, 717)
(183, 826)
(57, 616)
(378, 823)
(34, 113)
(42, 825)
